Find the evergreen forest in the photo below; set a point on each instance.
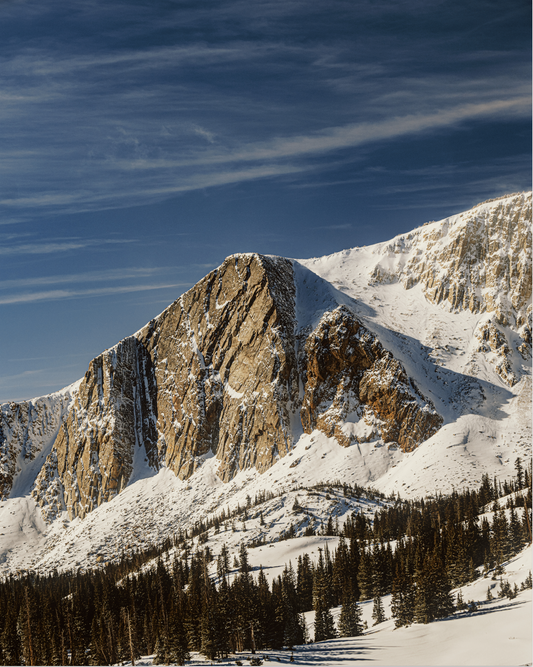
(167, 601)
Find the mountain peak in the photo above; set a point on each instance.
(265, 351)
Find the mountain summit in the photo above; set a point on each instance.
(385, 351)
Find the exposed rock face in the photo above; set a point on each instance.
(225, 368)
(256, 347)
(492, 340)
(214, 374)
(219, 373)
(113, 412)
(356, 390)
(480, 261)
(26, 429)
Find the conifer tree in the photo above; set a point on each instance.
(28, 625)
(403, 598)
(353, 566)
(365, 576)
(519, 473)
(350, 621)
(293, 632)
(304, 583)
(207, 632)
(515, 532)
(10, 639)
(378, 613)
(324, 626)
(433, 598)
(329, 626)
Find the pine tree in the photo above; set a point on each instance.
(304, 583)
(28, 624)
(324, 626)
(432, 598)
(10, 639)
(78, 637)
(329, 625)
(515, 532)
(519, 473)
(461, 604)
(365, 576)
(403, 597)
(378, 613)
(293, 633)
(350, 621)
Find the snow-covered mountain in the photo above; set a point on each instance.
(404, 365)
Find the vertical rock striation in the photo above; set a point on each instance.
(111, 415)
(225, 368)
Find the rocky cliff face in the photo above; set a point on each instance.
(225, 368)
(111, 416)
(479, 260)
(215, 374)
(261, 348)
(225, 371)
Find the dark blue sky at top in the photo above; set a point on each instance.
(143, 142)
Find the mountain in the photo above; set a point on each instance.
(405, 365)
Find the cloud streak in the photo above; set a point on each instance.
(55, 295)
(348, 136)
(239, 95)
(50, 247)
(87, 276)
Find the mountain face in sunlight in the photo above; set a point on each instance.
(390, 353)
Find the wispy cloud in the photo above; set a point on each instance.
(55, 295)
(252, 98)
(150, 178)
(85, 277)
(51, 247)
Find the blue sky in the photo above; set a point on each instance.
(142, 142)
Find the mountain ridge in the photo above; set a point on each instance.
(268, 361)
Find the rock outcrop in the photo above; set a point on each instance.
(225, 368)
(111, 415)
(356, 391)
(214, 374)
(479, 260)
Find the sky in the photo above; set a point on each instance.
(142, 142)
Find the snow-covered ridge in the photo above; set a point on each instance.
(475, 262)
(478, 260)
(27, 432)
